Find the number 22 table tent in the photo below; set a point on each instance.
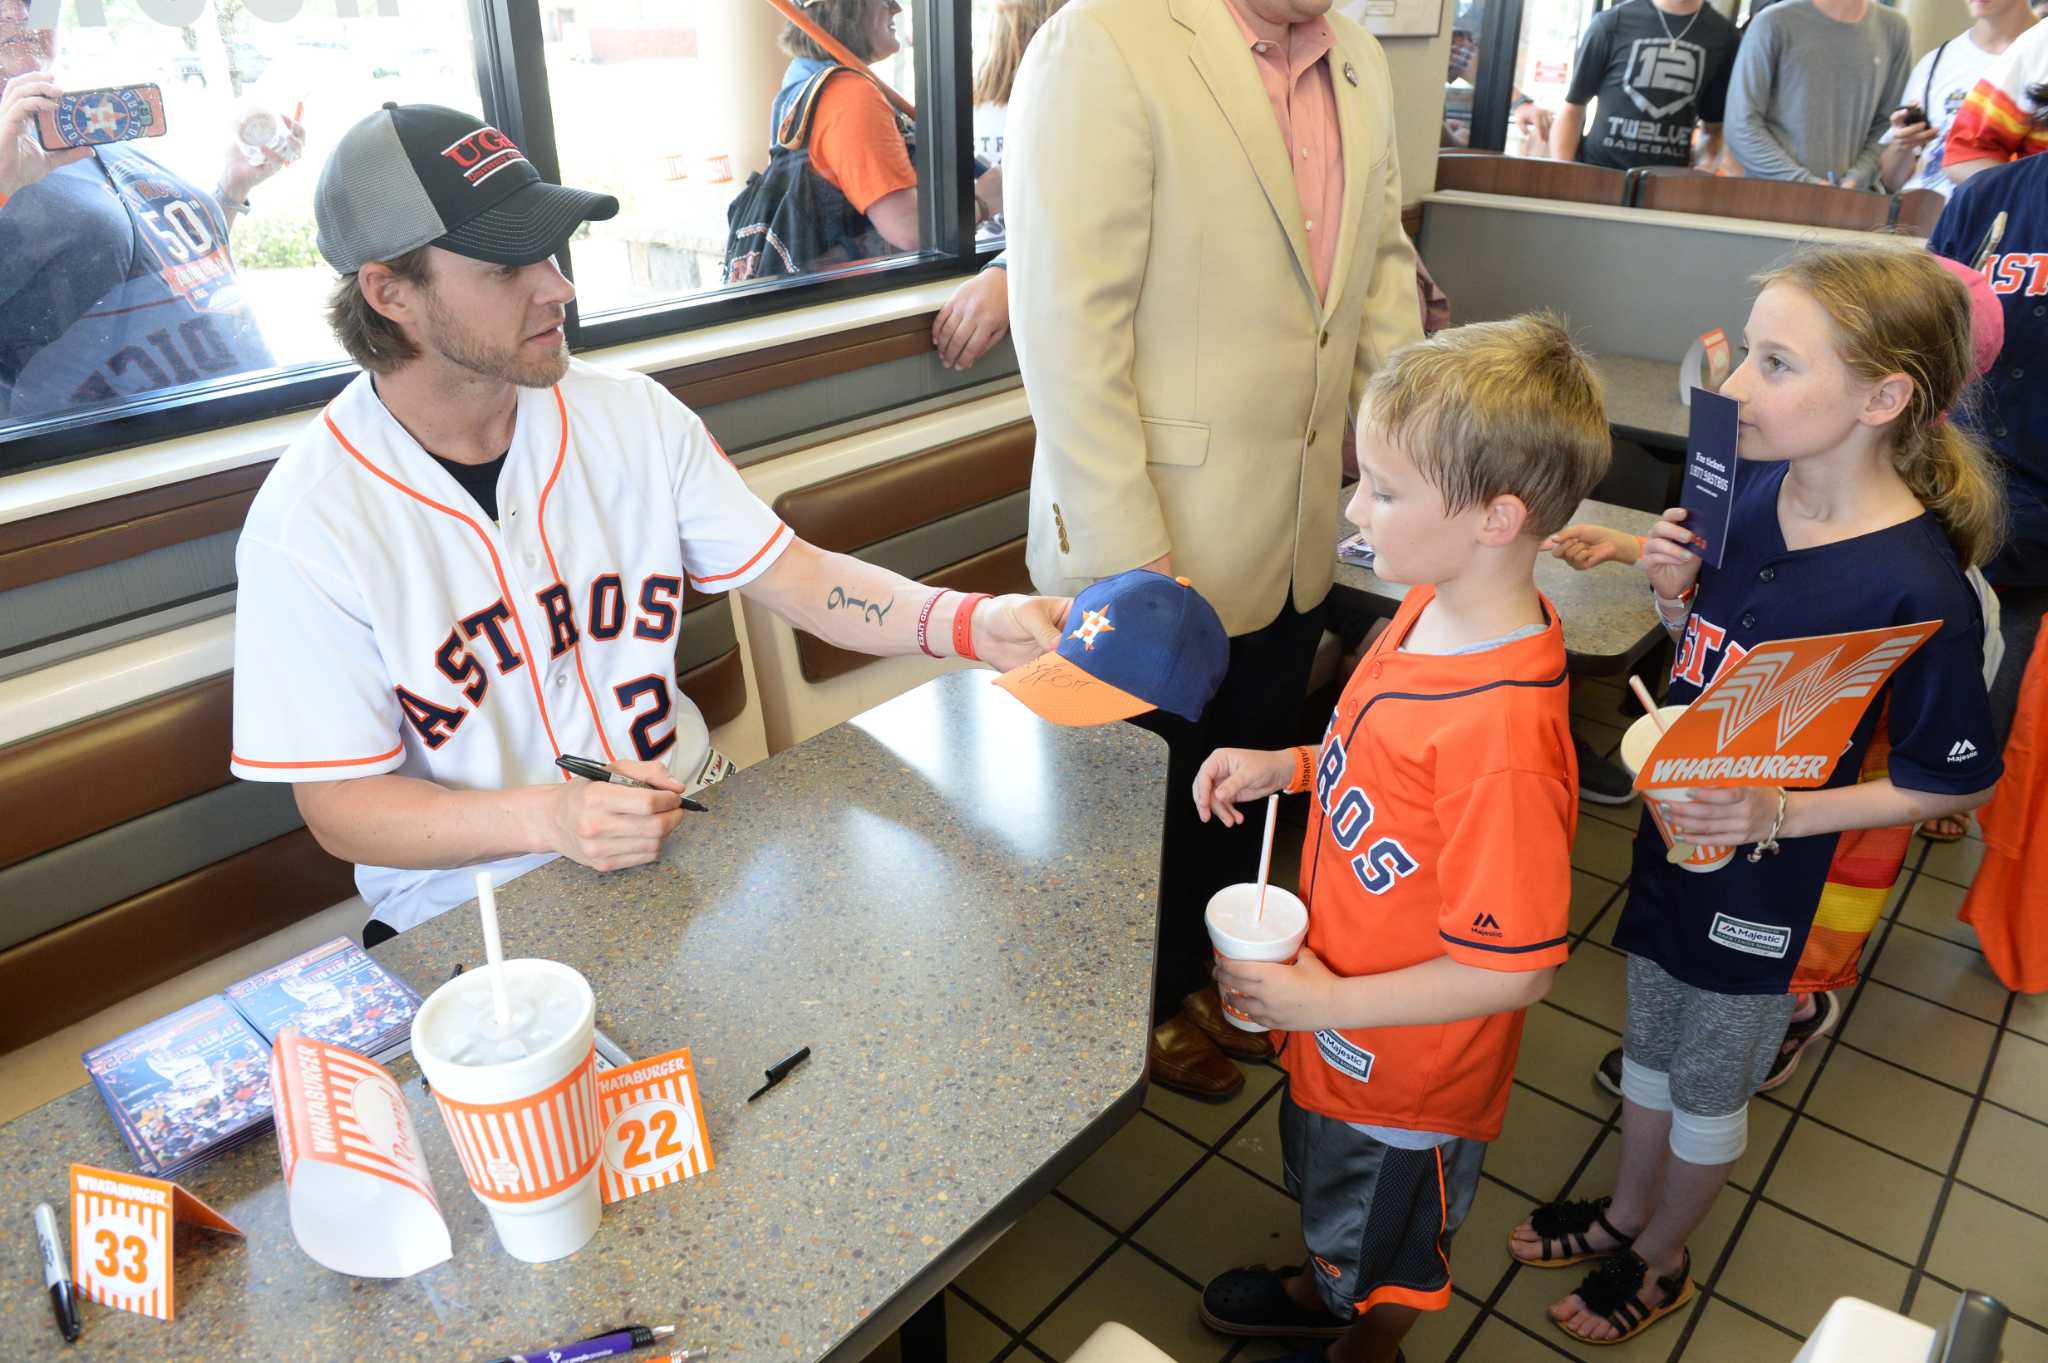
(653, 1126)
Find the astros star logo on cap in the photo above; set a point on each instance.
(1092, 624)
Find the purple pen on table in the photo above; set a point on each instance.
(623, 1340)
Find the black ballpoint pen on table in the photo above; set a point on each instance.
(610, 1344)
(592, 770)
(779, 1071)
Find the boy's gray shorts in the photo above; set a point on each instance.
(1378, 1221)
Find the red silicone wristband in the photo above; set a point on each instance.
(924, 621)
(963, 625)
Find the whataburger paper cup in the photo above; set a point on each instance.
(1239, 934)
(356, 1183)
(1636, 747)
(526, 1131)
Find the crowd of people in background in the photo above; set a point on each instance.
(1814, 91)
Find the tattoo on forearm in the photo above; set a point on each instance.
(874, 612)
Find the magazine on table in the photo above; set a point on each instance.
(188, 1086)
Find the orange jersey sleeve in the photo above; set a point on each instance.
(1996, 122)
(855, 144)
(1505, 872)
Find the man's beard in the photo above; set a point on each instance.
(452, 341)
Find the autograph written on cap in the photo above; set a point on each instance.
(1048, 672)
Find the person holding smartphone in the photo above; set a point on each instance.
(1915, 144)
(115, 275)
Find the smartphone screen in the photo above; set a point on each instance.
(91, 118)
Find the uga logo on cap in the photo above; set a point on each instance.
(483, 154)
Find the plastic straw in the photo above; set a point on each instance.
(1635, 684)
(494, 947)
(1266, 855)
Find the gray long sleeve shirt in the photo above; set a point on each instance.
(1811, 96)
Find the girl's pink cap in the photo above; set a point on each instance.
(1987, 318)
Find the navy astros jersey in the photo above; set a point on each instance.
(1798, 920)
(2010, 411)
(116, 281)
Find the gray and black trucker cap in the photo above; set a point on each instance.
(413, 175)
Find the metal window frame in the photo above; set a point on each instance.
(512, 84)
(1500, 35)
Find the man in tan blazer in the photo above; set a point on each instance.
(1206, 264)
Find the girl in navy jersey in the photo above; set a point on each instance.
(1858, 505)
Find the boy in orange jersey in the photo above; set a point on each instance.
(1437, 869)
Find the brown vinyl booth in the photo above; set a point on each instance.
(1530, 177)
(1765, 200)
(953, 516)
(1916, 212)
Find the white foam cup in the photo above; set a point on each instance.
(1239, 933)
(1636, 747)
(520, 1105)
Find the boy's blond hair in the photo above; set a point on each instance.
(1495, 408)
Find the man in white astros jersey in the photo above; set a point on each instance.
(473, 561)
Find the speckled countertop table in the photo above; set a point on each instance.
(1609, 622)
(1642, 400)
(950, 901)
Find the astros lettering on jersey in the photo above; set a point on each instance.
(385, 624)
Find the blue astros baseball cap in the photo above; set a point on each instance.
(1135, 642)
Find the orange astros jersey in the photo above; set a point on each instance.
(1442, 818)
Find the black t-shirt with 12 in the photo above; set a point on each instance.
(1655, 75)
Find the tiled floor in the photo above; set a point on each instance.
(1902, 1163)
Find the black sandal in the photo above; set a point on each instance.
(1610, 1292)
(1563, 1226)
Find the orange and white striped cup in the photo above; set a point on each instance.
(1637, 745)
(526, 1130)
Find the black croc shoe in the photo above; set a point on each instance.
(1253, 1303)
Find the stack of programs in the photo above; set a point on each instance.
(187, 1087)
(334, 993)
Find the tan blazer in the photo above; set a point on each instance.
(1190, 389)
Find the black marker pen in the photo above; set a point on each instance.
(591, 770)
(63, 1298)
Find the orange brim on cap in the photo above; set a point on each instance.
(1064, 694)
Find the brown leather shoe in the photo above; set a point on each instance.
(1184, 1059)
(1205, 1010)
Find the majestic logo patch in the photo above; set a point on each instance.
(1963, 751)
(1487, 924)
(1757, 939)
(1344, 1056)
(483, 154)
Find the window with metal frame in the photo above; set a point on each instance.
(171, 284)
